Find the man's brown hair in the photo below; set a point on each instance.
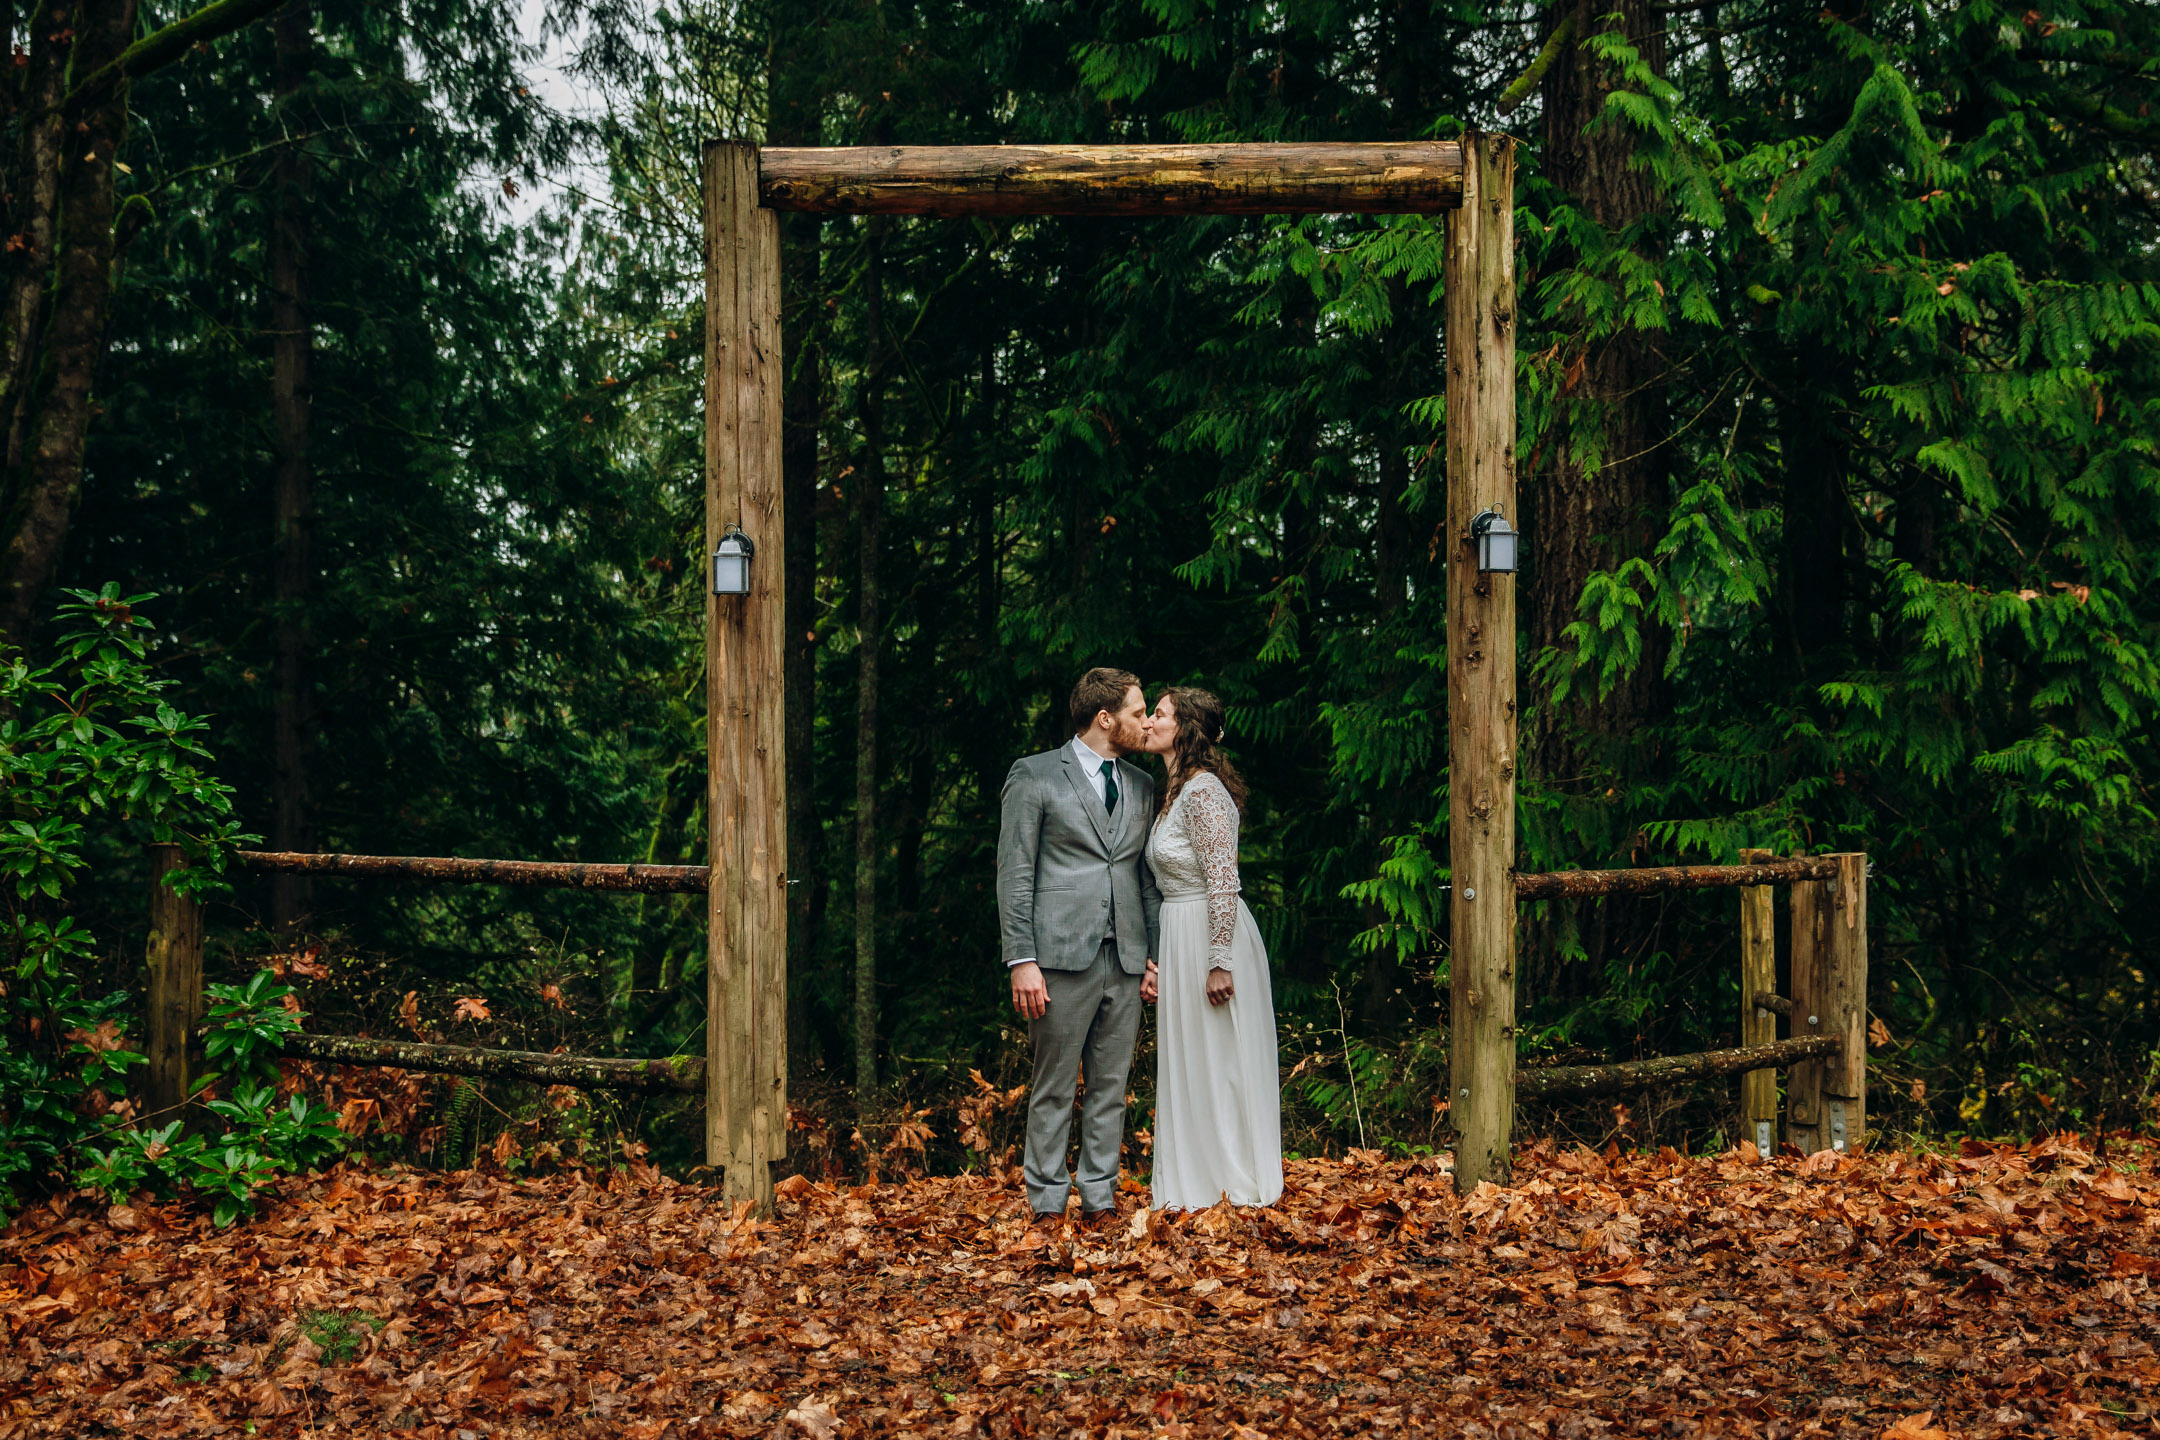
(1100, 689)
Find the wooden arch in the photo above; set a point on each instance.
(1472, 180)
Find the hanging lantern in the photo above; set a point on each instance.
(1498, 542)
(731, 563)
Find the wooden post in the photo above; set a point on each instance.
(1810, 965)
(1826, 1100)
(175, 991)
(1844, 1077)
(1758, 972)
(1480, 348)
(746, 795)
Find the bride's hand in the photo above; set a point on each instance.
(1150, 986)
(1220, 987)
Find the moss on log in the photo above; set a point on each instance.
(1568, 1082)
(1584, 884)
(646, 879)
(583, 1072)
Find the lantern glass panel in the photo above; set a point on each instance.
(1499, 549)
(731, 568)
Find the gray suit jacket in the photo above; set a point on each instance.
(1067, 874)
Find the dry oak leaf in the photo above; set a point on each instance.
(1916, 1427)
(1625, 1275)
(472, 1007)
(814, 1419)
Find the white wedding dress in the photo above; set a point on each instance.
(1218, 1089)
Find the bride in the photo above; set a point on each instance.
(1218, 1092)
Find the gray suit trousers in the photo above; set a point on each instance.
(1090, 1027)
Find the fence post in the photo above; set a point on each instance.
(1810, 971)
(1480, 382)
(746, 787)
(1844, 1077)
(1758, 971)
(1826, 1100)
(175, 991)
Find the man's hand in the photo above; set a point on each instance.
(1030, 996)
(1220, 987)
(1150, 986)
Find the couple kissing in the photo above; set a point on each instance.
(1110, 900)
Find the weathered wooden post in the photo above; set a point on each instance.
(175, 991)
(746, 795)
(1480, 347)
(1758, 973)
(1826, 1099)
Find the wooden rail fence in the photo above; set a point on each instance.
(176, 977)
(1826, 1051)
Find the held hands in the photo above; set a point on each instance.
(1150, 984)
(1220, 987)
(1030, 996)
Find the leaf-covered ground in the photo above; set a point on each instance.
(1995, 1292)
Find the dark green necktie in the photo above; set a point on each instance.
(1109, 786)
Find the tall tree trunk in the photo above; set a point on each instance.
(292, 410)
(870, 620)
(46, 485)
(1597, 500)
(32, 211)
(1812, 576)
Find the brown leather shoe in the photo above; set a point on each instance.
(1048, 1219)
(1099, 1219)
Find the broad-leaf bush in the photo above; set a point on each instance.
(89, 747)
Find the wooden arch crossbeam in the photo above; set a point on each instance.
(1470, 180)
(1423, 177)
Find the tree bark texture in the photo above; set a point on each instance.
(174, 995)
(292, 351)
(452, 870)
(1328, 178)
(745, 698)
(684, 1075)
(1811, 575)
(1569, 1082)
(1597, 496)
(46, 485)
(33, 209)
(870, 623)
(1658, 879)
(1480, 342)
(59, 207)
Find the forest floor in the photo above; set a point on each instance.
(2001, 1290)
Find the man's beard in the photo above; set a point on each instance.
(1130, 738)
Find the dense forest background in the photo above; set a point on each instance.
(1839, 378)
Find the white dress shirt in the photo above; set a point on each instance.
(1091, 765)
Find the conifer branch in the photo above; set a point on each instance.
(163, 46)
(1515, 94)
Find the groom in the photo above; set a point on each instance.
(1077, 910)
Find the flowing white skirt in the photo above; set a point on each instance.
(1218, 1087)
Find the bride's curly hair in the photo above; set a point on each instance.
(1197, 746)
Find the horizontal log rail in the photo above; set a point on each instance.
(1568, 1082)
(1774, 1003)
(582, 1072)
(1584, 884)
(1248, 179)
(637, 879)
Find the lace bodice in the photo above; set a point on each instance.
(1193, 852)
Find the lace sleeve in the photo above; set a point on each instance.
(1211, 823)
